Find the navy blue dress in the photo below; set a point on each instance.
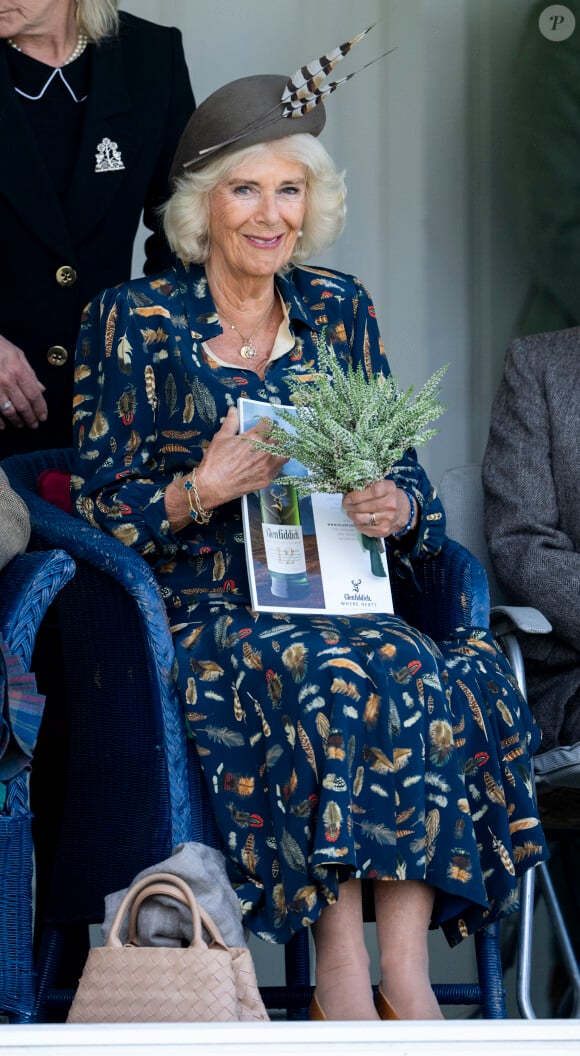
(332, 747)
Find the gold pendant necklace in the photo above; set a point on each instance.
(248, 349)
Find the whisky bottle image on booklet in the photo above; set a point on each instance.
(283, 540)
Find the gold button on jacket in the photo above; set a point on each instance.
(57, 355)
(65, 275)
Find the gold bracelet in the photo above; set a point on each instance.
(196, 510)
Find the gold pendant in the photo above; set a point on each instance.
(247, 351)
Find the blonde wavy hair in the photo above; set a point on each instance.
(98, 18)
(186, 214)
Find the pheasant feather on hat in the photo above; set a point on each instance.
(306, 88)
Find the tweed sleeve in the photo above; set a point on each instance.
(534, 557)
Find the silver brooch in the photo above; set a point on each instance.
(108, 157)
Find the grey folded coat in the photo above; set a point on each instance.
(163, 921)
(14, 522)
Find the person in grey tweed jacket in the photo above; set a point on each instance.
(14, 522)
(531, 476)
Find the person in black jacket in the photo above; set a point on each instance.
(92, 105)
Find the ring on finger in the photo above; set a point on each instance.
(4, 406)
(371, 523)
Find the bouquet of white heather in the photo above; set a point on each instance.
(349, 429)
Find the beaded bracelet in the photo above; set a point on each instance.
(196, 510)
(413, 507)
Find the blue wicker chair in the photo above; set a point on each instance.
(28, 585)
(134, 788)
(130, 796)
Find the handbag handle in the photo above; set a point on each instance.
(174, 887)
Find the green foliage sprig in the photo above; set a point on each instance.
(348, 429)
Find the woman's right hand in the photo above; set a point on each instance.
(231, 467)
(20, 388)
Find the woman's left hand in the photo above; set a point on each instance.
(379, 510)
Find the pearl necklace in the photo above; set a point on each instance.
(81, 44)
(248, 349)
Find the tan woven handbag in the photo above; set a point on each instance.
(155, 984)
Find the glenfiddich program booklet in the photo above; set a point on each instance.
(303, 553)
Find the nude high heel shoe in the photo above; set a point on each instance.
(384, 1007)
(315, 1011)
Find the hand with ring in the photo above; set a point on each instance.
(379, 510)
(21, 393)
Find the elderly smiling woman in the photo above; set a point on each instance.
(334, 749)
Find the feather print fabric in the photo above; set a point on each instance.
(331, 747)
